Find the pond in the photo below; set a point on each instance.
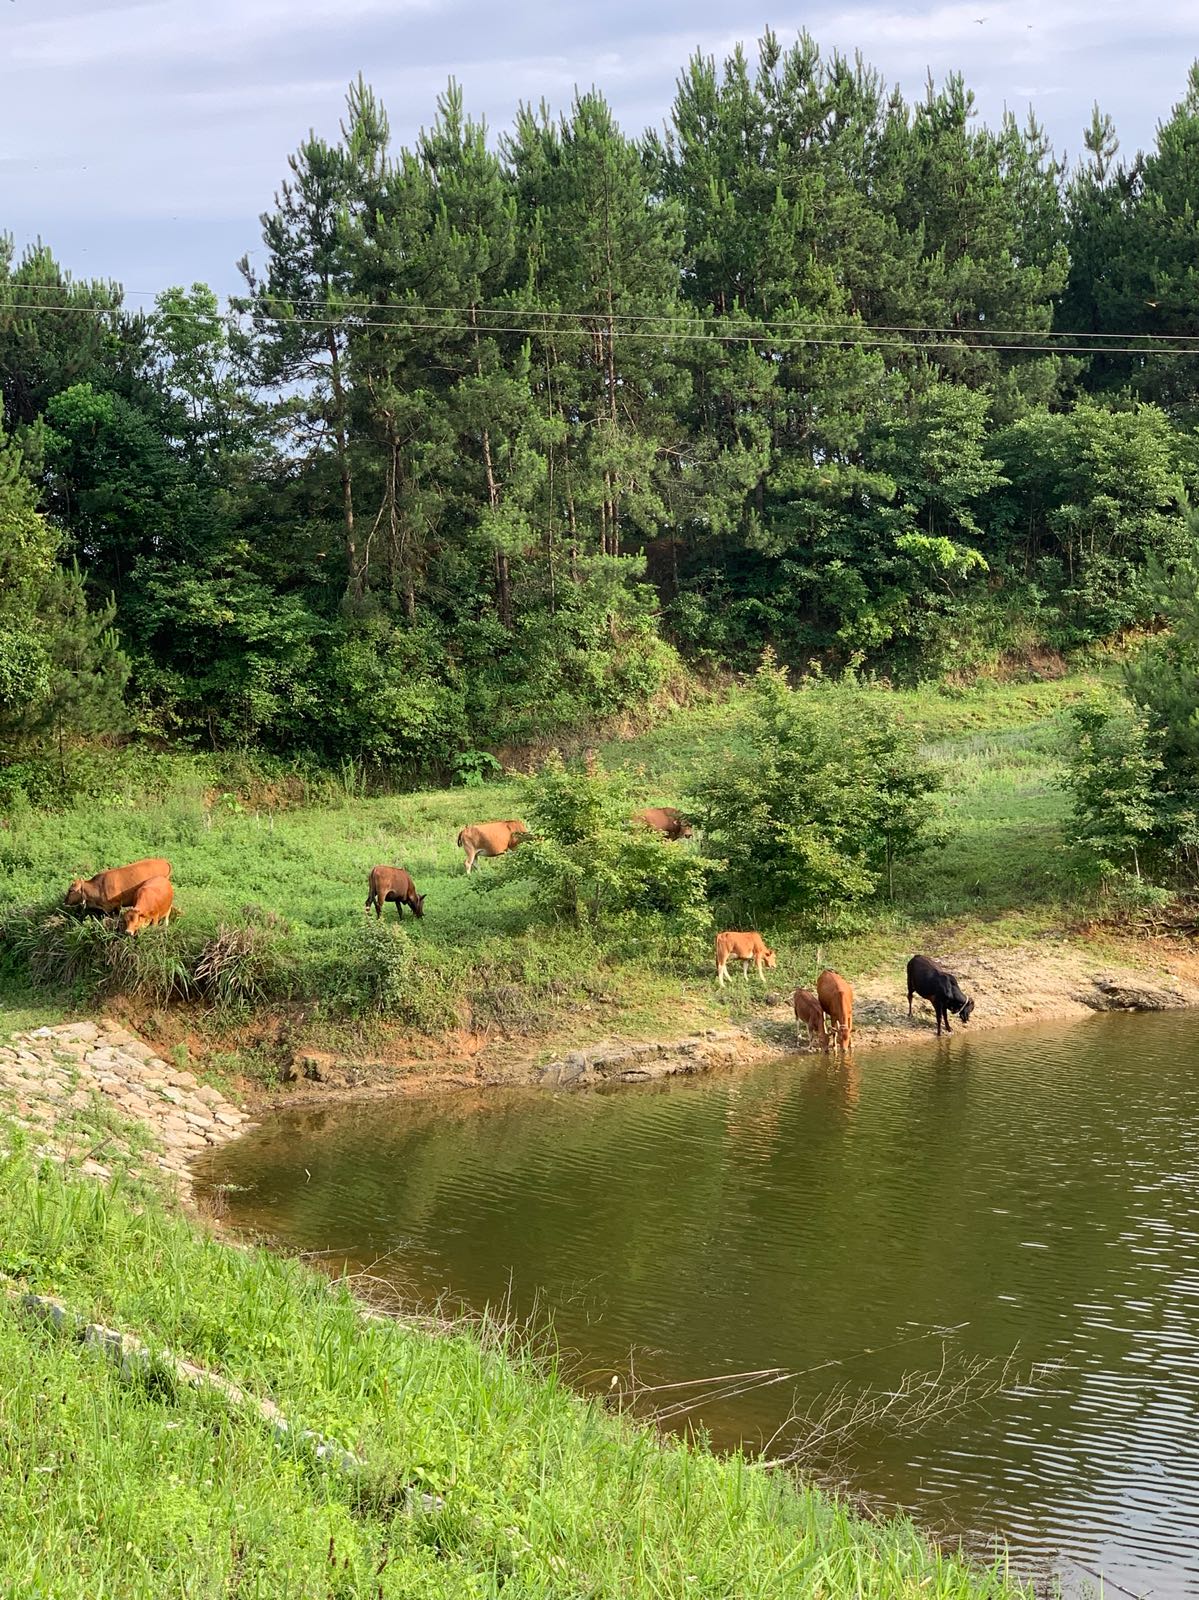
(967, 1274)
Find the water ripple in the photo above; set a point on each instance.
(1034, 1191)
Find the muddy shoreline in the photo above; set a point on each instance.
(49, 1075)
(1041, 981)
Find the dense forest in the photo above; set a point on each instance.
(506, 434)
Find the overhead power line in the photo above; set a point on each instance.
(662, 319)
(858, 335)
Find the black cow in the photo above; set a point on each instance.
(930, 981)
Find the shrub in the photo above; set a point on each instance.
(1110, 778)
(590, 861)
(376, 970)
(826, 794)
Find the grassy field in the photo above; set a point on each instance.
(481, 961)
(479, 1473)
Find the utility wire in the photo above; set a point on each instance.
(960, 340)
(663, 319)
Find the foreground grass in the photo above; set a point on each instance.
(481, 959)
(131, 1486)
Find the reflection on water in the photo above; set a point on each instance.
(1033, 1191)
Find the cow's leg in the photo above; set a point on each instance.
(909, 1002)
(761, 974)
(722, 970)
(745, 968)
(471, 852)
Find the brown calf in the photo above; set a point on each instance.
(490, 838)
(836, 999)
(810, 1012)
(745, 948)
(109, 891)
(152, 903)
(665, 820)
(393, 883)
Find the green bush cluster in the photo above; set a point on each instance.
(1133, 774)
(824, 796)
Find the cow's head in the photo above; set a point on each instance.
(75, 896)
(131, 920)
(418, 909)
(684, 828)
(769, 958)
(966, 1010)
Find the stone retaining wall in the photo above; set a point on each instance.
(50, 1079)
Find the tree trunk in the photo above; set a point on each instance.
(355, 578)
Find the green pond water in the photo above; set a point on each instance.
(970, 1269)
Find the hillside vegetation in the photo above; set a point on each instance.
(280, 893)
(510, 435)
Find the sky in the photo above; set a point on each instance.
(141, 139)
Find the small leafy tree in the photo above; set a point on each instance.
(591, 862)
(62, 673)
(822, 800)
(1111, 780)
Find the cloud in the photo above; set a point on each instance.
(142, 114)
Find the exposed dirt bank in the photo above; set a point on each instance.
(51, 1076)
(1040, 981)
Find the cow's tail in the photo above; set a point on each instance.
(461, 837)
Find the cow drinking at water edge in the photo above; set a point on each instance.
(810, 1013)
(931, 981)
(836, 1000)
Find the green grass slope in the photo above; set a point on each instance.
(481, 1474)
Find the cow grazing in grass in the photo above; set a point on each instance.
(745, 948)
(109, 891)
(931, 981)
(490, 838)
(671, 824)
(151, 904)
(810, 1013)
(393, 883)
(836, 1001)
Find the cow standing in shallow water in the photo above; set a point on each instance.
(836, 1000)
(742, 947)
(810, 1012)
(490, 838)
(931, 981)
(393, 883)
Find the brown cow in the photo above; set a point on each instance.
(809, 1011)
(152, 903)
(109, 891)
(490, 838)
(393, 883)
(745, 948)
(665, 820)
(836, 998)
